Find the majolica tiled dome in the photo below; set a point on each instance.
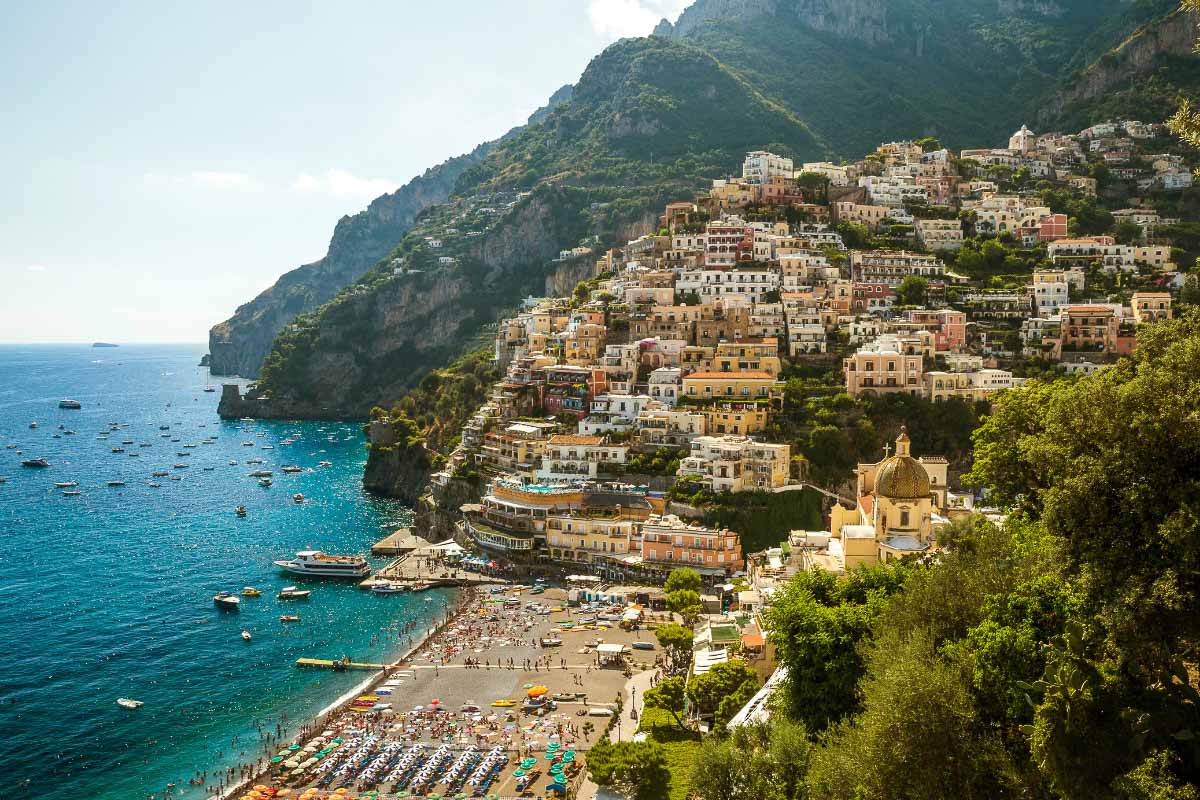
(902, 477)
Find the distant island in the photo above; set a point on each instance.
(104, 344)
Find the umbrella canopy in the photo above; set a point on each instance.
(537, 691)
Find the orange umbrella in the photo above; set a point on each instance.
(537, 691)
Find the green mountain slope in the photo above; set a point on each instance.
(653, 119)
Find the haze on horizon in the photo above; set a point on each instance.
(164, 163)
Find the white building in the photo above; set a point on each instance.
(736, 464)
(760, 166)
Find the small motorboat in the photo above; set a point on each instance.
(128, 702)
(292, 468)
(325, 464)
(264, 482)
(233, 463)
(70, 404)
(159, 474)
(115, 483)
(33, 424)
(289, 618)
(118, 449)
(35, 463)
(387, 588)
(246, 636)
(176, 477)
(260, 473)
(226, 600)
(72, 493)
(154, 485)
(292, 593)
(66, 484)
(240, 511)
(297, 497)
(250, 591)
(181, 466)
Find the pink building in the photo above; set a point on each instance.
(949, 327)
(1052, 227)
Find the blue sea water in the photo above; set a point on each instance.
(109, 594)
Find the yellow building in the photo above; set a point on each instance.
(899, 502)
(730, 386)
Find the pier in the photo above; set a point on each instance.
(325, 663)
(426, 567)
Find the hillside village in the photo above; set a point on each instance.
(632, 416)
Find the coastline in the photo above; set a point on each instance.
(463, 600)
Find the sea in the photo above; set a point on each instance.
(109, 593)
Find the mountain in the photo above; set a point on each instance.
(639, 130)
(238, 345)
(653, 119)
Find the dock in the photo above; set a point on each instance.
(325, 663)
(425, 567)
(399, 543)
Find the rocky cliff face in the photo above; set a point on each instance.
(238, 345)
(1172, 35)
(394, 469)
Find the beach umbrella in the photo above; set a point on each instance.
(276, 759)
(518, 773)
(527, 686)
(537, 691)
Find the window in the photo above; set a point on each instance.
(904, 518)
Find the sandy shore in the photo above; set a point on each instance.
(487, 651)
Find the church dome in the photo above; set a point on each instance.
(902, 477)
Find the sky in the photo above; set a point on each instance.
(163, 162)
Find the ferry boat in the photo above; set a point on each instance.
(70, 404)
(316, 563)
(226, 600)
(36, 463)
(292, 593)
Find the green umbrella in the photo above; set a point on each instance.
(293, 747)
(527, 686)
(276, 759)
(519, 773)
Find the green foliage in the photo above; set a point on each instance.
(436, 409)
(754, 763)
(670, 695)
(685, 603)
(912, 291)
(676, 642)
(730, 680)
(636, 770)
(682, 579)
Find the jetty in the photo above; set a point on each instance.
(429, 566)
(399, 543)
(339, 664)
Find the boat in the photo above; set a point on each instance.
(264, 482)
(154, 485)
(325, 464)
(164, 427)
(72, 493)
(35, 463)
(291, 468)
(3, 479)
(128, 702)
(254, 461)
(33, 424)
(289, 618)
(66, 484)
(297, 497)
(232, 463)
(292, 593)
(118, 449)
(387, 588)
(250, 591)
(246, 636)
(70, 404)
(146, 444)
(268, 447)
(247, 444)
(115, 483)
(316, 563)
(261, 473)
(159, 474)
(240, 511)
(107, 344)
(421, 586)
(127, 441)
(176, 477)
(226, 600)
(181, 466)
(208, 387)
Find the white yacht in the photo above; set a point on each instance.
(318, 564)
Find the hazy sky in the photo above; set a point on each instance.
(163, 162)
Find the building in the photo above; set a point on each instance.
(760, 166)
(1089, 328)
(579, 457)
(887, 365)
(662, 427)
(891, 267)
(1151, 306)
(1051, 291)
(669, 542)
(897, 510)
(730, 386)
(733, 463)
(939, 234)
(975, 385)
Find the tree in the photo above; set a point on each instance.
(1189, 293)
(912, 291)
(686, 604)
(929, 144)
(723, 680)
(676, 642)
(635, 769)
(682, 578)
(766, 760)
(1127, 233)
(670, 696)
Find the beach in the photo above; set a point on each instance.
(442, 694)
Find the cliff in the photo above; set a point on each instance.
(1152, 45)
(238, 345)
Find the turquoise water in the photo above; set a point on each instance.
(109, 594)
